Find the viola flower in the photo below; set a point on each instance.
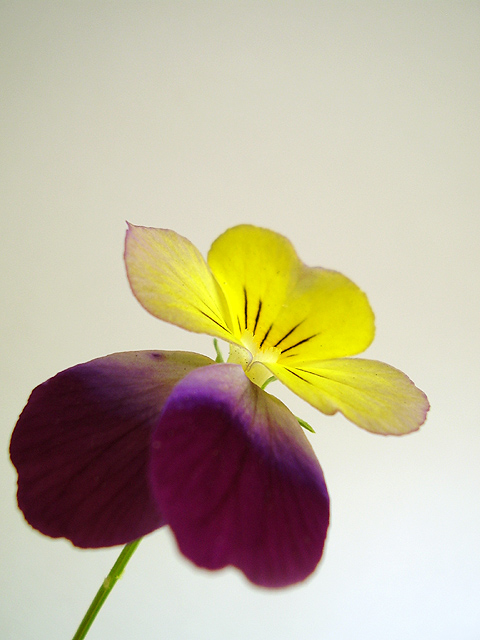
(112, 449)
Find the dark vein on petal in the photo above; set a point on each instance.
(239, 325)
(122, 488)
(257, 316)
(67, 439)
(349, 383)
(212, 319)
(298, 343)
(99, 452)
(214, 312)
(246, 307)
(298, 376)
(314, 373)
(266, 335)
(288, 333)
(230, 489)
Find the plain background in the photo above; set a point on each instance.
(353, 129)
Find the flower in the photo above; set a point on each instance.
(112, 449)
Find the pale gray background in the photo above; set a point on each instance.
(352, 128)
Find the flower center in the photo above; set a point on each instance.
(253, 358)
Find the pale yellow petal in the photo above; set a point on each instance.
(373, 395)
(171, 280)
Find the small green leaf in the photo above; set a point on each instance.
(305, 425)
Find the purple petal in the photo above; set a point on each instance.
(81, 447)
(237, 480)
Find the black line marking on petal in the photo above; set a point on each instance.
(246, 307)
(288, 333)
(298, 343)
(298, 376)
(212, 319)
(315, 373)
(266, 335)
(257, 316)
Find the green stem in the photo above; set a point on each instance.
(104, 591)
(219, 357)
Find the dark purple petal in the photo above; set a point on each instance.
(237, 480)
(81, 447)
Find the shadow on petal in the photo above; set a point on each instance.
(81, 447)
(237, 480)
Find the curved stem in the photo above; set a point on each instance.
(219, 357)
(104, 591)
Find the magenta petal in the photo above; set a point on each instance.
(237, 480)
(81, 447)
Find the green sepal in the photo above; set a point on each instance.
(267, 381)
(305, 425)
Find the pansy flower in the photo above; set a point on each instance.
(112, 449)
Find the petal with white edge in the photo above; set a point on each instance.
(373, 395)
(171, 280)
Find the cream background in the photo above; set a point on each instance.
(352, 128)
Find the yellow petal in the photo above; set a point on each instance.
(373, 395)
(296, 312)
(171, 280)
(256, 268)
